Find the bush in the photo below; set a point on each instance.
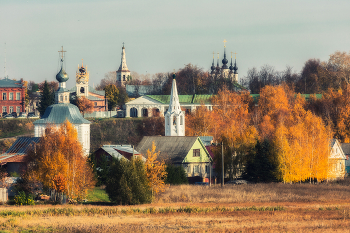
(23, 199)
(127, 183)
(176, 175)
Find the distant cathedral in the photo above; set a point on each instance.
(224, 71)
(123, 73)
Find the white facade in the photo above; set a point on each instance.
(83, 131)
(123, 72)
(82, 81)
(174, 117)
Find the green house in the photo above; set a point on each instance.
(188, 152)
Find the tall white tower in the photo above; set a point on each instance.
(123, 72)
(174, 117)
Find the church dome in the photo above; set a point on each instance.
(62, 76)
(59, 113)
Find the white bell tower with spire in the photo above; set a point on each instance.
(123, 72)
(174, 117)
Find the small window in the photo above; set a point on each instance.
(61, 98)
(196, 152)
(18, 109)
(196, 169)
(18, 96)
(123, 77)
(65, 98)
(11, 109)
(11, 96)
(207, 169)
(181, 120)
(188, 168)
(95, 103)
(4, 96)
(174, 120)
(4, 109)
(82, 90)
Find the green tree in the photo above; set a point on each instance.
(127, 182)
(46, 99)
(261, 165)
(175, 175)
(112, 94)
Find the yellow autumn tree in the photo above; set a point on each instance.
(155, 170)
(58, 162)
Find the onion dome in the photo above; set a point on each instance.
(235, 67)
(224, 61)
(174, 75)
(231, 66)
(82, 70)
(217, 66)
(62, 76)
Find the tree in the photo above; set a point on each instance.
(109, 79)
(59, 164)
(261, 163)
(46, 98)
(155, 171)
(112, 94)
(127, 182)
(175, 175)
(84, 105)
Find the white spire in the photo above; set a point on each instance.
(174, 106)
(123, 65)
(174, 118)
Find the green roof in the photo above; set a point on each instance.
(10, 83)
(59, 113)
(184, 99)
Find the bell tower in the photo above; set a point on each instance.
(82, 81)
(174, 117)
(123, 73)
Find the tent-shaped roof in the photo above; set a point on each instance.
(59, 113)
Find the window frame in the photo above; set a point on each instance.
(11, 96)
(18, 95)
(4, 96)
(196, 152)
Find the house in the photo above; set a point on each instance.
(148, 105)
(346, 149)
(337, 160)
(185, 151)
(12, 94)
(117, 152)
(14, 159)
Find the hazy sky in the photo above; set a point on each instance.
(163, 35)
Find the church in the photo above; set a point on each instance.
(82, 88)
(225, 71)
(178, 149)
(63, 110)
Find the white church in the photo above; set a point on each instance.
(63, 110)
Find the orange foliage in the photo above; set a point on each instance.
(58, 162)
(155, 170)
(84, 105)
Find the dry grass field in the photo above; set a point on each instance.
(186, 208)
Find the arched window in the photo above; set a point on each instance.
(174, 120)
(181, 120)
(82, 90)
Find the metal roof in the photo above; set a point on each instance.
(174, 148)
(10, 83)
(183, 99)
(59, 113)
(18, 149)
(346, 148)
(120, 151)
(96, 91)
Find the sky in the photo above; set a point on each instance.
(161, 36)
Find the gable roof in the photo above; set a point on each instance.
(334, 143)
(120, 151)
(173, 148)
(18, 149)
(346, 148)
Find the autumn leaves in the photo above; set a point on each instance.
(299, 136)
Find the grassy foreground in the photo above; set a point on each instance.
(187, 208)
